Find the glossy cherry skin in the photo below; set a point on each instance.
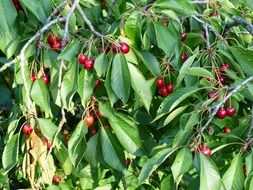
(33, 77)
(183, 36)
(221, 113)
(89, 120)
(169, 88)
(160, 82)
(227, 130)
(224, 67)
(89, 64)
(205, 150)
(124, 47)
(56, 45)
(184, 57)
(52, 39)
(127, 162)
(230, 111)
(27, 129)
(56, 180)
(46, 79)
(163, 91)
(82, 58)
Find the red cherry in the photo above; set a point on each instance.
(33, 77)
(224, 67)
(165, 23)
(163, 91)
(98, 83)
(184, 57)
(214, 14)
(56, 45)
(169, 88)
(48, 143)
(52, 39)
(222, 79)
(56, 180)
(227, 130)
(128, 162)
(183, 36)
(230, 111)
(46, 79)
(17, 4)
(160, 82)
(93, 131)
(205, 150)
(213, 95)
(27, 129)
(114, 48)
(89, 64)
(124, 47)
(89, 120)
(82, 58)
(221, 113)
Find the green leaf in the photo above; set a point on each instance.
(182, 163)
(70, 52)
(233, 178)
(150, 61)
(173, 100)
(101, 64)
(112, 154)
(198, 71)
(209, 174)
(182, 7)
(174, 114)
(112, 97)
(91, 153)
(77, 144)
(167, 39)
(9, 38)
(141, 86)
(40, 95)
(86, 85)
(244, 57)
(48, 128)
(126, 132)
(10, 153)
(6, 96)
(153, 163)
(133, 27)
(36, 7)
(120, 78)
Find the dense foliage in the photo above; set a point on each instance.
(134, 94)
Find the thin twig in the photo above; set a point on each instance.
(216, 108)
(207, 36)
(87, 21)
(6, 65)
(237, 21)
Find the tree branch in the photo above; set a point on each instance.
(87, 21)
(216, 108)
(237, 21)
(6, 65)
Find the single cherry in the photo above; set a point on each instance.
(82, 58)
(33, 77)
(165, 23)
(124, 47)
(227, 130)
(169, 88)
(89, 64)
(183, 36)
(98, 83)
(52, 39)
(114, 48)
(56, 179)
(214, 14)
(163, 91)
(27, 129)
(224, 67)
(222, 79)
(46, 79)
(213, 95)
(93, 131)
(205, 150)
(128, 162)
(221, 113)
(160, 82)
(56, 45)
(89, 120)
(184, 57)
(230, 111)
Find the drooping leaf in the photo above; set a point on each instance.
(233, 178)
(198, 71)
(101, 64)
(48, 128)
(120, 78)
(70, 52)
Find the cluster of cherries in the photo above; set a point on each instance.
(205, 150)
(221, 75)
(164, 89)
(54, 42)
(222, 113)
(86, 62)
(45, 77)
